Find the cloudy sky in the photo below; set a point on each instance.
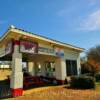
(75, 22)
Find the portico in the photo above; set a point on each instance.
(44, 57)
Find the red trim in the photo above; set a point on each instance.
(16, 42)
(17, 92)
(60, 81)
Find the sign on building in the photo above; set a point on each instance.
(28, 47)
(59, 52)
(54, 51)
(9, 48)
(44, 50)
(6, 49)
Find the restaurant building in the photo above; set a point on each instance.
(41, 55)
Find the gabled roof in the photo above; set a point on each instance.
(24, 32)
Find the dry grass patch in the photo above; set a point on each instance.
(60, 93)
(55, 92)
(4, 73)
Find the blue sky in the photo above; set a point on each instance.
(75, 22)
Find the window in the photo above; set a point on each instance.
(71, 67)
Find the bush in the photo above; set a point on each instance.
(82, 82)
(66, 81)
(88, 74)
(97, 77)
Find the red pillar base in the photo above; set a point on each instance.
(60, 81)
(17, 92)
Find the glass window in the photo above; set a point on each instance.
(71, 67)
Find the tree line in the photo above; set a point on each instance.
(91, 63)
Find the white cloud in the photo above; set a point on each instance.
(92, 22)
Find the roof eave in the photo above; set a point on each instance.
(42, 38)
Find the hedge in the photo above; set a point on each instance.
(82, 82)
(97, 77)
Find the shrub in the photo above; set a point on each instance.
(82, 82)
(66, 81)
(97, 77)
(88, 74)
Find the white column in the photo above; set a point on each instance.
(78, 65)
(16, 82)
(60, 70)
(31, 68)
(43, 69)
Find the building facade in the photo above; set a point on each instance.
(44, 56)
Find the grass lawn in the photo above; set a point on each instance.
(59, 93)
(97, 83)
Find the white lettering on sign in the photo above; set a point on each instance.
(28, 47)
(56, 51)
(43, 50)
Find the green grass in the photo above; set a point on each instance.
(98, 83)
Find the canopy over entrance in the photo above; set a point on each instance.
(19, 46)
(31, 44)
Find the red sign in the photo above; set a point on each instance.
(28, 47)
